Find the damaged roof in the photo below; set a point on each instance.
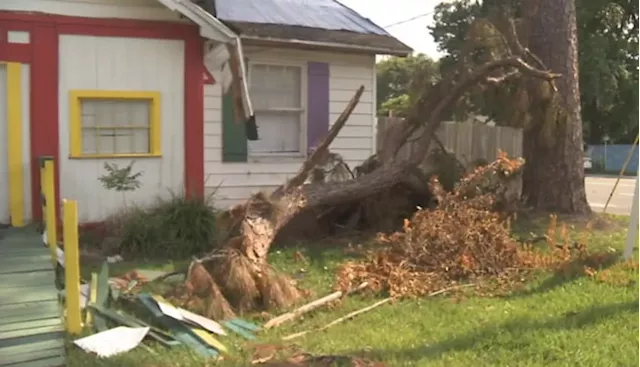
(314, 21)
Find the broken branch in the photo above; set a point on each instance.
(321, 150)
(337, 321)
(277, 321)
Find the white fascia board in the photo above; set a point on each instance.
(210, 27)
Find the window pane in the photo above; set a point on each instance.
(89, 140)
(123, 141)
(106, 141)
(140, 141)
(275, 86)
(115, 126)
(278, 132)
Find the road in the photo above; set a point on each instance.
(599, 188)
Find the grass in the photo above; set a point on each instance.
(570, 320)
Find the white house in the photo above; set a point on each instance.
(94, 81)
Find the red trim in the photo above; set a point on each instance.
(44, 133)
(14, 52)
(105, 26)
(43, 54)
(194, 117)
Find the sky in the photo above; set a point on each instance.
(414, 33)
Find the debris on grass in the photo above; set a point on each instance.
(463, 239)
(164, 322)
(340, 320)
(289, 316)
(113, 342)
(308, 360)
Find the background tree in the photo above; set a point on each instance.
(554, 176)
(394, 81)
(608, 59)
(608, 47)
(545, 34)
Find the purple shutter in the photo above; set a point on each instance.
(317, 103)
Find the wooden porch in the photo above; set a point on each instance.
(32, 331)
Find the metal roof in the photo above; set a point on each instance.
(321, 14)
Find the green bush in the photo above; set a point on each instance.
(179, 226)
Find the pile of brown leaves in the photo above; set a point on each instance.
(463, 239)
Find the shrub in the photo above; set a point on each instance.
(179, 226)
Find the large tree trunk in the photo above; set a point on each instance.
(554, 175)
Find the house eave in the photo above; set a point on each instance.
(320, 45)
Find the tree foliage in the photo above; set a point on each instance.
(608, 49)
(395, 77)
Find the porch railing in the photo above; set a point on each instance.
(71, 266)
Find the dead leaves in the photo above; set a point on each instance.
(461, 240)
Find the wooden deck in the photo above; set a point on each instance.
(31, 327)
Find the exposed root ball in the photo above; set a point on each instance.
(277, 290)
(236, 275)
(216, 305)
(202, 295)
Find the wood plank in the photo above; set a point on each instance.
(30, 344)
(47, 357)
(31, 279)
(22, 240)
(49, 362)
(26, 250)
(45, 292)
(54, 321)
(29, 311)
(32, 331)
(13, 264)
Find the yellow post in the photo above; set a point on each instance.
(71, 266)
(14, 143)
(47, 181)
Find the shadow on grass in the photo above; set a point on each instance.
(570, 272)
(517, 330)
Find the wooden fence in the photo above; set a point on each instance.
(469, 141)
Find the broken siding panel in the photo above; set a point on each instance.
(235, 182)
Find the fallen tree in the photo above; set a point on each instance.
(240, 275)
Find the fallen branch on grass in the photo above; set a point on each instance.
(337, 321)
(279, 320)
(368, 308)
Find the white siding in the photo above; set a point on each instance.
(111, 63)
(235, 182)
(126, 9)
(26, 151)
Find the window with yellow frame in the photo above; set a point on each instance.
(114, 124)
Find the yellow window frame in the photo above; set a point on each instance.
(75, 120)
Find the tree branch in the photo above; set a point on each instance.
(322, 150)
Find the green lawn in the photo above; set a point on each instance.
(573, 320)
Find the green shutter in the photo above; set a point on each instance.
(234, 137)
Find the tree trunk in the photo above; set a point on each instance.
(554, 175)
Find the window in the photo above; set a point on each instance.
(114, 124)
(276, 94)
